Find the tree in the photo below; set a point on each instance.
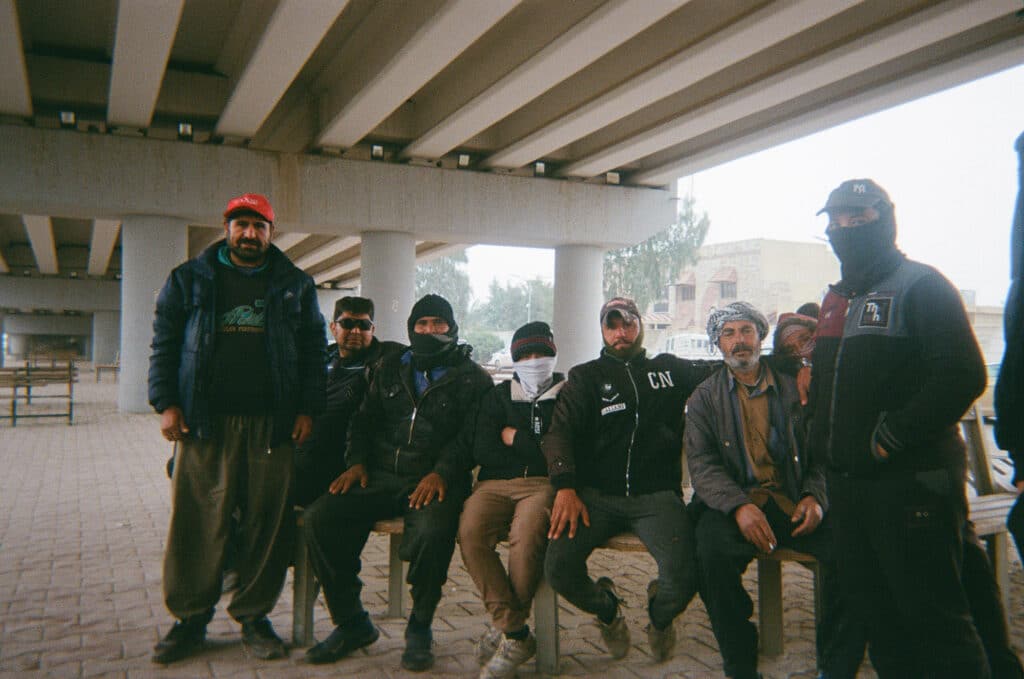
(510, 306)
(643, 270)
(446, 276)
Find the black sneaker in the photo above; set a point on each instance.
(418, 655)
(185, 638)
(260, 640)
(341, 642)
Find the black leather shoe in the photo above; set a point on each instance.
(418, 656)
(185, 638)
(260, 640)
(341, 642)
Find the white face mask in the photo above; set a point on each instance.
(535, 374)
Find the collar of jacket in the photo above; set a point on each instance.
(861, 283)
(278, 265)
(640, 356)
(517, 393)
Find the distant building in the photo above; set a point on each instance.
(775, 276)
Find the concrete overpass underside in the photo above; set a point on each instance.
(389, 131)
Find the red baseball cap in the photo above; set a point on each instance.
(250, 202)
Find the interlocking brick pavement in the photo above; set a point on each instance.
(83, 516)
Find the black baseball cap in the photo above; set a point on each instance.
(856, 193)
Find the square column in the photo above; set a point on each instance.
(579, 294)
(106, 336)
(389, 278)
(150, 248)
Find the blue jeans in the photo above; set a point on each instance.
(659, 520)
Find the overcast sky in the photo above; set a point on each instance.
(947, 162)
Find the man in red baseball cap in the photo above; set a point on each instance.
(236, 373)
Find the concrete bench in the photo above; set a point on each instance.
(22, 381)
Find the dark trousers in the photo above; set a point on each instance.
(1015, 522)
(338, 526)
(899, 547)
(724, 554)
(214, 479)
(659, 520)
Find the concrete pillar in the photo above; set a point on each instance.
(150, 248)
(106, 336)
(579, 294)
(327, 299)
(17, 346)
(389, 279)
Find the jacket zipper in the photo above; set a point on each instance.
(412, 420)
(636, 425)
(835, 378)
(533, 416)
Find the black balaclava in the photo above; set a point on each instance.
(431, 351)
(866, 252)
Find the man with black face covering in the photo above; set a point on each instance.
(408, 455)
(895, 366)
(614, 458)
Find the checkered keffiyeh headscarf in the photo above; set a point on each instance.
(737, 311)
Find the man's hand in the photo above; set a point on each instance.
(430, 485)
(172, 424)
(302, 429)
(350, 477)
(508, 435)
(568, 509)
(803, 383)
(808, 514)
(1020, 486)
(754, 526)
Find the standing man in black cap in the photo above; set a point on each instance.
(408, 455)
(614, 455)
(236, 373)
(512, 498)
(895, 366)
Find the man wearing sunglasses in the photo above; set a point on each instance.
(236, 373)
(895, 366)
(350, 365)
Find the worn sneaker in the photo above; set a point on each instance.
(662, 641)
(185, 638)
(418, 655)
(510, 655)
(343, 641)
(616, 633)
(260, 641)
(487, 645)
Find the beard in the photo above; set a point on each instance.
(248, 250)
(739, 363)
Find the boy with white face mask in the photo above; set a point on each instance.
(512, 499)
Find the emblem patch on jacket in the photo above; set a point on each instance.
(614, 408)
(608, 393)
(875, 313)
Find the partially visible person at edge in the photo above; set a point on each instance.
(793, 342)
(351, 362)
(237, 373)
(512, 499)
(409, 455)
(1009, 397)
(756, 489)
(613, 454)
(895, 366)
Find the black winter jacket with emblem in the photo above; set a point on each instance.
(507, 405)
(895, 365)
(410, 436)
(618, 425)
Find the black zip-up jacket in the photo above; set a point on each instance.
(506, 405)
(896, 365)
(408, 436)
(618, 425)
(184, 328)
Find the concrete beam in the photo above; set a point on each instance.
(49, 324)
(14, 91)
(104, 237)
(288, 240)
(294, 31)
(55, 294)
(145, 34)
(40, 235)
(436, 44)
(608, 27)
(327, 251)
(757, 32)
(911, 34)
(110, 176)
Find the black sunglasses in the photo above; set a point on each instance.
(350, 323)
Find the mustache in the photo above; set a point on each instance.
(741, 347)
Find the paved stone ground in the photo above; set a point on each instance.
(83, 516)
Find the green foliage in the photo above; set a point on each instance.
(512, 305)
(643, 270)
(446, 276)
(484, 344)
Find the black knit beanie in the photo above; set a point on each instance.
(533, 338)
